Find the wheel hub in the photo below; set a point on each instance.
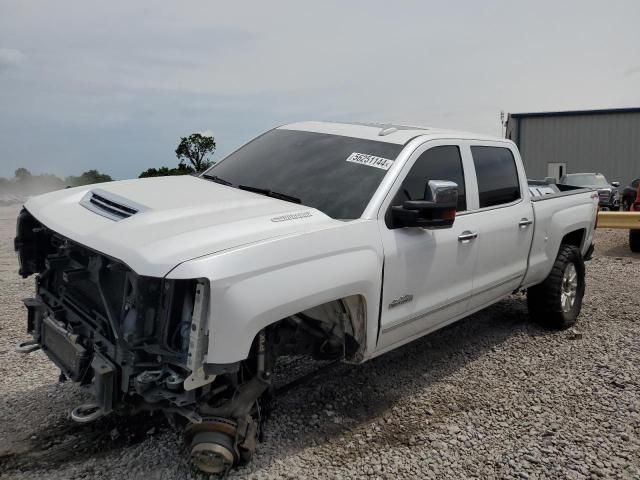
(569, 288)
(212, 457)
(213, 445)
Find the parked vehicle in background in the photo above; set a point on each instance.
(634, 235)
(608, 192)
(325, 240)
(628, 195)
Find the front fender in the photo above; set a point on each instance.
(255, 286)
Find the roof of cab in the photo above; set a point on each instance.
(383, 132)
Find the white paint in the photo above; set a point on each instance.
(260, 270)
(186, 217)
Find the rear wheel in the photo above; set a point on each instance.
(634, 240)
(556, 302)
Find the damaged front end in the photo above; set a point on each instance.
(137, 341)
(101, 323)
(140, 343)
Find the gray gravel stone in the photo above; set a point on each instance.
(493, 396)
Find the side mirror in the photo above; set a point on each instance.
(615, 184)
(437, 211)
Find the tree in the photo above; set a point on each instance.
(196, 148)
(22, 174)
(26, 183)
(182, 169)
(87, 178)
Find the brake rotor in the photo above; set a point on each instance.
(213, 444)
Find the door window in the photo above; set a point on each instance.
(437, 163)
(497, 175)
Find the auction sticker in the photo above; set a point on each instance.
(370, 160)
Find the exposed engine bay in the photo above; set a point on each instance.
(139, 342)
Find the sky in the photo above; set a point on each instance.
(114, 85)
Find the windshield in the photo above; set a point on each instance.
(583, 180)
(335, 174)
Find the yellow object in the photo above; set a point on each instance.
(625, 220)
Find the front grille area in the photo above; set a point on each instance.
(101, 323)
(98, 297)
(101, 303)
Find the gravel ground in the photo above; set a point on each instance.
(493, 396)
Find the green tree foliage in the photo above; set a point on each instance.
(182, 169)
(87, 178)
(197, 149)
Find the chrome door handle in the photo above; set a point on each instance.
(525, 222)
(467, 236)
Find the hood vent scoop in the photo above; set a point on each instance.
(110, 205)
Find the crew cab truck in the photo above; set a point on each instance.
(333, 240)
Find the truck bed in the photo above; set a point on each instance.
(558, 210)
(541, 190)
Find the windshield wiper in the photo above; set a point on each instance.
(217, 179)
(270, 193)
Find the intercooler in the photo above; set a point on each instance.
(64, 350)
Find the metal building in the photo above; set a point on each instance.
(554, 143)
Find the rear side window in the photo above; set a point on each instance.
(497, 175)
(437, 163)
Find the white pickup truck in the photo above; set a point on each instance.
(333, 240)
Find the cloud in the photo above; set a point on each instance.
(10, 58)
(632, 71)
(124, 80)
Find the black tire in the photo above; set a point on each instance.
(545, 301)
(625, 206)
(634, 240)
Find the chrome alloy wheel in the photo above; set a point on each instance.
(569, 288)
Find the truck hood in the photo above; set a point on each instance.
(154, 224)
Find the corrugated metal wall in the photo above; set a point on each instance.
(608, 143)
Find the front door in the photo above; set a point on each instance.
(427, 273)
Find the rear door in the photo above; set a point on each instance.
(505, 222)
(427, 273)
